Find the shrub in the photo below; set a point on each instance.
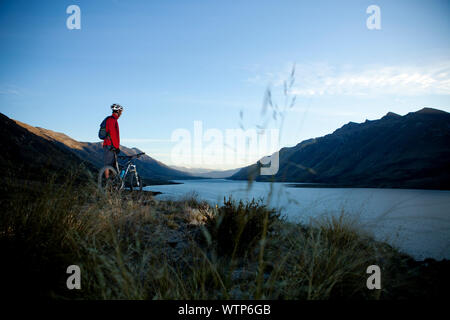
(237, 227)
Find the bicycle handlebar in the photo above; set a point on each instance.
(131, 157)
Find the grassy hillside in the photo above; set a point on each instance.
(153, 171)
(27, 156)
(132, 246)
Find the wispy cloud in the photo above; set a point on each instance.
(326, 80)
(8, 91)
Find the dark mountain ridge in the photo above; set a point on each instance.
(34, 148)
(26, 156)
(411, 151)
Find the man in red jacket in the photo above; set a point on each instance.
(111, 145)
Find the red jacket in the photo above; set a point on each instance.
(112, 127)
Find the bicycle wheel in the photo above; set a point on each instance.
(112, 183)
(135, 184)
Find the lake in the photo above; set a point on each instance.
(415, 221)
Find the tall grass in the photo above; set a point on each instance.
(132, 246)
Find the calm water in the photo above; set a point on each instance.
(415, 221)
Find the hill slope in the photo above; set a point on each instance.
(411, 151)
(58, 149)
(28, 156)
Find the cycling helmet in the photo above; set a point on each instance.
(116, 107)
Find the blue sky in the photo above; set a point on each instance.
(171, 63)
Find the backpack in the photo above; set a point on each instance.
(102, 134)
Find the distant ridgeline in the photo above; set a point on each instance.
(27, 151)
(411, 151)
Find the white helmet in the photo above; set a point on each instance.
(116, 107)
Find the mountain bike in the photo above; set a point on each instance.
(122, 176)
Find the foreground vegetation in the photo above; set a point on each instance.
(132, 246)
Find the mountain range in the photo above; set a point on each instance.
(34, 149)
(410, 151)
(208, 173)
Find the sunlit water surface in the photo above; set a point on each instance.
(415, 221)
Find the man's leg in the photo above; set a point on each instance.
(107, 159)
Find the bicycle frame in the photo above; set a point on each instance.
(129, 167)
